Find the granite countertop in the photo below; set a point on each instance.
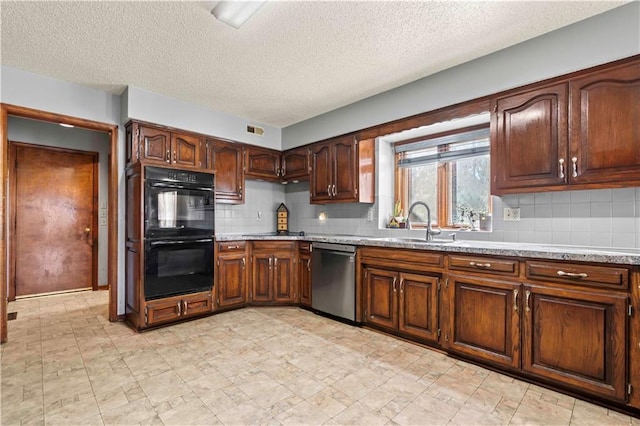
(546, 251)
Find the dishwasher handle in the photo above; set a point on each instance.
(338, 253)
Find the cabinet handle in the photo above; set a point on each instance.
(175, 157)
(527, 295)
(186, 305)
(283, 170)
(574, 160)
(275, 262)
(168, 157)
(401, 285)
(179, 309)
(270, 259)
(572, 274)
(232, 247)
(394, 284)
(561, 161)
(329, 190)
(515, 300)
(243, 263)
(335, 192)
(480, 265)
(309, 265)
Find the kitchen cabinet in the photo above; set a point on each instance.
(342, 171)
(226, 160)
(174, 308)
(231, 274)
(578, 133)
(304, 273)
(163, 147)
(402, 292)
(273, 277)
(262, 163)
(294, 164)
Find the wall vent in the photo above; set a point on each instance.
(259, 131)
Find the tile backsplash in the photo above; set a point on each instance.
(595, 218)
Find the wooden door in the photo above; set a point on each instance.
(262, 163)
(304, 279)
(226, 160)
(345, 172)
(155, 145)
(261, 278)
(55, 192)
(484, 319)
(231, 280)
(284, 284)
(321, 172)
(187, 151)
(161, 311)
(530, 144)
(605, 126)
(382, 300)
(295, 164)
(418, 301)
(576, 338)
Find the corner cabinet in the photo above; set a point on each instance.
(294, 164)
(304, 273)
(262, 163)
(231, 275)
(155, 145)
(273, 278)
(343, 171)
(579, 133)
(226, 160)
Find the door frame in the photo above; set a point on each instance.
(12, 206)
(112, 219)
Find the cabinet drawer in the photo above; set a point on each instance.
(226, 246)
(304, 247)
(196, 304)
(489, 265)
(273, 245)
(414, 258)
(577, 273)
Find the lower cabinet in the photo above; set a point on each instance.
(231, 274)
(484, 319)
(174, 308)
(576, 338)
(304, 273)
(402, 301)
(272, 272)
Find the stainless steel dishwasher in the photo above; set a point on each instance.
(333, 280)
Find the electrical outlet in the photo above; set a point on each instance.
(511, 214)
(370, 214)
(259, 216)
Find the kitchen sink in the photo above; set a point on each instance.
(412, 240)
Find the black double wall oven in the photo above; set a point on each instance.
(179, 216)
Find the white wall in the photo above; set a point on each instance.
(49, 134)
(155, 108)
(603, 38)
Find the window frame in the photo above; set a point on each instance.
(402, 179)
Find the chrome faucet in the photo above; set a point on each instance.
(430, 231)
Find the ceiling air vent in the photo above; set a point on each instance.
(255, 130)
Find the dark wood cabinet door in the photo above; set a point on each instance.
(161, 311)
(295, 164)
(232, 282)
(576, 338)
(186, 151)
(529, 148)
(321, 172)
(382, 297)
(196, 304)
(304, 279)
(261, 278)
(155, 145)
(418, 300)
(283, 278)
(484, 319)
(345, 171)
(226, 160)
(262, 163)
(605, 126)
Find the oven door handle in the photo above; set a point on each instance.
(170, 242)
(178, 186)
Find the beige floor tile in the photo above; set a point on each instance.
(359, 414)
(130, 414)
(192, 413)
(303, 413)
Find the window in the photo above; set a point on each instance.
(448, 171)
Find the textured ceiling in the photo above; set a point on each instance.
(291, 61)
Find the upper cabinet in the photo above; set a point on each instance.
(579, 133)
(342, 171)
(226, 160)
(159, 146)
(294, 164)
(262, 163)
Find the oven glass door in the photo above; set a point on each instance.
(173, 210)
(174, 267)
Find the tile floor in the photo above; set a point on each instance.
(66, 364)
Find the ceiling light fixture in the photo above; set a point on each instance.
(235, 13)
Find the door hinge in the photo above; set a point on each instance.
(630, 310)
(137, 132)
(439, 287)
(366, 273)
(218, 262)
(446, 337)
(629, 388)
(439, 332)
(146, 315)
(446, 283)
(356, 192)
